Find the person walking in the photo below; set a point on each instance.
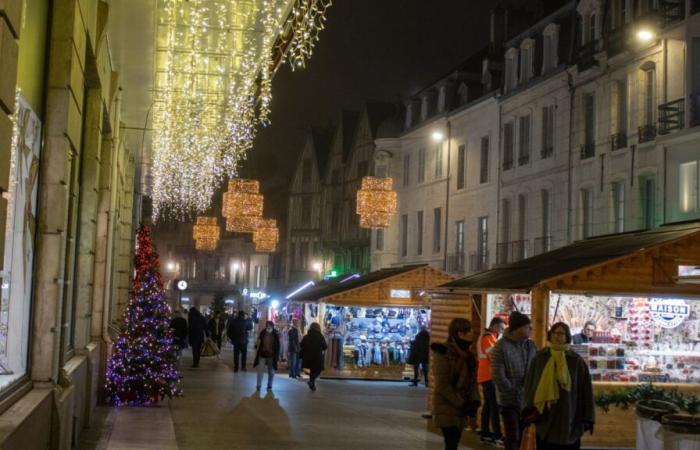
(510, 361)
(490, 422)
(217, 327)
(237, 331)
(312, 347)
(293, 349)
(559, 393)
(455, 395)
(197, 330)
(420, 351)
(179, 326)
(267, 354)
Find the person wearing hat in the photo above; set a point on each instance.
(510, 362)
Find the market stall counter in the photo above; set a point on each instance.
(632, 299)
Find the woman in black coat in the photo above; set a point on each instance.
(312, 347)
(197, 328)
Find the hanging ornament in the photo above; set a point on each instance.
(242, 205)
(266, 236)
(206, 233)
(376, 202)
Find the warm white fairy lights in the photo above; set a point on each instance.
(242, 205)
(376, 202)
(308, 19)
(206, 233)
(266, 236)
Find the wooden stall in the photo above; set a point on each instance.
(369, 320)
(640, 289)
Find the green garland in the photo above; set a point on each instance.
(624, 398)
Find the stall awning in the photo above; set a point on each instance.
(657, 245)
(394, 286)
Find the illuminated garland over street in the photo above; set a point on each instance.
(266, 236)
(206, 233)
(242, 205)
(308, 18)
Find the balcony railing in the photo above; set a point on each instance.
(672, 116)
(618, 141)
(478, 262)
(510, 252)
(587, 150)
(671, 11)
(542, 245)
(646, 133)
(456, 262)
(586, 56)
(546, 152)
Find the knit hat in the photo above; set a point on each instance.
(518, 320)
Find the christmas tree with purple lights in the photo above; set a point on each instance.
(142, 368)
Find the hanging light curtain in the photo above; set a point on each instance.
(266, 236)
(206, 233)
(242, 205)
(376, 202)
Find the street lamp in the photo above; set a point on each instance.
(645, 35)
(317, 266)
(170, 266)
(437, 136)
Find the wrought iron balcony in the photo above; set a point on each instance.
(587, 150)
(672, 116)
(618, 141)
(646, 133)
(456, 262)
(542, 245)
(586, 56)
(478, 262)
(546, 152)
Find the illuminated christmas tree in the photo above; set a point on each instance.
(142, 369)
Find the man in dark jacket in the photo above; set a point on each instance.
(216, 327)
(312, 347)
(197, 330)
(510, 362)
(293, 349)
(584, 337)
(237, 332)
(267, 354)
(420, 355)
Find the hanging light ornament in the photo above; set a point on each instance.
(376, 202)
(242, 205)
(266, 236)
(206, 233)
(308, 19)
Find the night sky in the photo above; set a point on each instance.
(370, 49)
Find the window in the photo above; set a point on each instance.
(508, 146)
(362, 169)
(511, 81)
(482, 240)
(421, 165)
(550, 57)
(379, 241)
(527, 51)
(592, 35)
(619, 10)
(524, 144)
(586, 213)
(546, 215)
(306, 211)
(649, 95)
(688, 187)
(648, 187)
(617, 199)
(406, 170)
(461, 165)
(438, 161)
(588, 149)
(419, 233)
(258, 276)
(547, 131)
(505, 220)
(304, 255)
(459, 237)
(404, 235)
(306, 170)
(522, 216)
(484, 167)
(619, 106)
(437, 225)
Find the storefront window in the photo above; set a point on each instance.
(501, 305)
(18, 261)
(637, 339)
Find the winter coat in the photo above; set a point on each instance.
(510, 361)
(312, 347)
(179, 327)
(197, 328)
(237, 330)
(563, 423)
(216, 329)
(450, 406)
(420, 349)
(293, 341)
(275, 348)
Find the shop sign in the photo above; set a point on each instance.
(668, 313)
(258, 295)
(400, 293)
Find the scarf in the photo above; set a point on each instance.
(555, 376)
(464, 369)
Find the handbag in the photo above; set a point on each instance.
(209, 348)
(529, 440)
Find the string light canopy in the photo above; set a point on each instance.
(242, 205)
(266, 236)
(206, 233)
(214, 65)
(376, 202)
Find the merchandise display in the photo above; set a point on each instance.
(637, 339)
(501, 305)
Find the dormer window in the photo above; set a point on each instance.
(511, 81)
(527, 56)
(409, 116)
(592, 34)
(424, 107)
(550, 48)
(463, 93)
(442, 95)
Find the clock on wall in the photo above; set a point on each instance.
(181, 285)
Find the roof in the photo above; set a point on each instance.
(348, 123)
(528, 273)
(337, 286)
(322, 138)
(390, 127)
(377, 112)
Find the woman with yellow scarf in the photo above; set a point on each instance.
(559, 394)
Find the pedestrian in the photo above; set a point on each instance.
(267, 354)
(293, 349)
(237, 331)
(420, 351)
(456, 395)
(217, 327)
(510, 361)
(312, 347)
(584, 337)
(197, 330)
(179, 326)
(559, 394)
(490, 421)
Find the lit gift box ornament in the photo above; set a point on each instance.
(376, 202)
(266, 236)
(206, 233)
(242, 205)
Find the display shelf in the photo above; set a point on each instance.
(665, 353)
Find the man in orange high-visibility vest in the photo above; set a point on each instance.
(490, 421)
